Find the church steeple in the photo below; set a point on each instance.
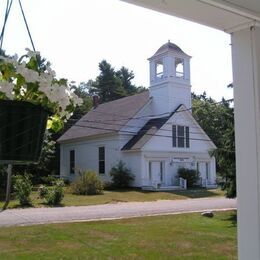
(170, 78)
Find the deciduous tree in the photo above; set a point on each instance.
(217, 119)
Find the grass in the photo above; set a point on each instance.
(122, 196)
(185, 236)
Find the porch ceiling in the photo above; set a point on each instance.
(220, 14)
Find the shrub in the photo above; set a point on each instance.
(23, 188)
(42, 191)
(53, 195)
(192, 176)
(121, 175)
(108, 185)
(48, 180)
(87, 183)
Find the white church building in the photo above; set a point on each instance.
(153, 133)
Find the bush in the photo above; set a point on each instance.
(87, 183)
(48, 180)
(108, 185)
(53, 195)
(23, 188)
(42, 191)
(192, 176)
(121, 175)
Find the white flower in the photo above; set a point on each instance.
(7, 89)
(12, 60)
(50, 71)
(78, 101)
(44, 86)
(23, 90)
(29, 75)
(15, 57)
(40, 87)
(32, 54)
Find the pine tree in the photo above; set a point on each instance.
(107, 85)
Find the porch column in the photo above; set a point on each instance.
(246, 72)
(213, 175)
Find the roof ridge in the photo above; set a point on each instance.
(120, 99)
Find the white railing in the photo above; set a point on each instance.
(183, 183)
(156, 184)
(159, 75)
(179, 74)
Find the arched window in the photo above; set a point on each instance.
(179, 68)
(159, 69)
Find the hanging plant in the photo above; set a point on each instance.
(31, 98)
(31, 79)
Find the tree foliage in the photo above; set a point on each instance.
(44, 165)
(82, 91)
(121, 176)
(217, 119)
(111, 84)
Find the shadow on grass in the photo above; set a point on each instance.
(123, 190)
(191, 193)
(232, 219)
(16, 206)
(52, 206)
(195, 193)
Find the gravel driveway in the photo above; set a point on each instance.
(31, 216)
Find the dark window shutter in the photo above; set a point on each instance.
(174, 135)
(72, 161)
(187, 130)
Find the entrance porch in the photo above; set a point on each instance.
(162, 174)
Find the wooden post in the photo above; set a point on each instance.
(246, 74)
(8, 186)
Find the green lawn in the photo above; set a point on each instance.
(185, 236)
(122, 196)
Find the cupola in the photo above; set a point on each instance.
(170, 78)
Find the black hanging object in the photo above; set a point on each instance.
(21, 131)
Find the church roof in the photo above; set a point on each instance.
(169, 46)
(147, 132)
(106, 118)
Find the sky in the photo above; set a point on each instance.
(76, 35)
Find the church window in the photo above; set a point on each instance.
(180, 136)
(101, 160)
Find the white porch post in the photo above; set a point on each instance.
(246, 71)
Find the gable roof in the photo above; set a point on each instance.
(107, 118)
(152, 126)
(146, 132)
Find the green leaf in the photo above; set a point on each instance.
(55, 123)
